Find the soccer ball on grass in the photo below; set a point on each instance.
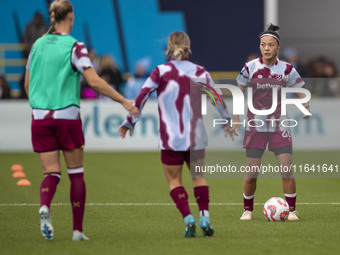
(276, 209)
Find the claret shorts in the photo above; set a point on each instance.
(169, 157)
(57, 134)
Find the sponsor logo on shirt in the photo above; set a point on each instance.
(52, 40)
(267, 86)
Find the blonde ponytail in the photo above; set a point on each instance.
(52, 20)
(178, 54)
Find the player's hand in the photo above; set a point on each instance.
(122, 131)
(231, 132)
(133, 110)
(306, 117)
(236, 125)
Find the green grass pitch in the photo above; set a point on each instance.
(137, 178)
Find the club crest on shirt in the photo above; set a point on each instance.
(279, 77)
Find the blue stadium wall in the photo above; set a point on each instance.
(223, 33)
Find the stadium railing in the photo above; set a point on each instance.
(11, 62)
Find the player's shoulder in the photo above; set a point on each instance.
(162, 68)
(198, 70)
(286, 66)
(40, 39)
(252, 65)
(254, 62)
(197, 66)
(79, 49)
(285, 63)
(72, 38)
(65, 38)
(166, 68)
(79, 44)
(180, 65)
(159, 70)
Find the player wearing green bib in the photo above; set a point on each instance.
(52, 83)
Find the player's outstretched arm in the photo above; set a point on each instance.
(101, 86)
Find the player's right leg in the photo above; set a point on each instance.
(75, 170)
(201, 190)
(254, 156)
(255, 144)
(71, 139)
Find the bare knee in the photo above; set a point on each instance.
(74, 158)
(50, 162)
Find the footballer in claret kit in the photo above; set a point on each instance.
(182, 135)
(267, 76)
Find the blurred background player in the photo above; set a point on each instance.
(52, 82)
(33, 31)
(5, 89)
(135, 83)
(109, 71)
(178, 141)
(268, 69)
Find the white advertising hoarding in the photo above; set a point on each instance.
(101, 120)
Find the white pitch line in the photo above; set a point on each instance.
(155, 204)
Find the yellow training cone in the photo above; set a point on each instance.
(17, 167)
(18, 174)
(24, 182)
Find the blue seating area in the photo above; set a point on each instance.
(144, 28)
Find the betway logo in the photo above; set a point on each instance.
(267, 86)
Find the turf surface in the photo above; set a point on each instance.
(137, 228)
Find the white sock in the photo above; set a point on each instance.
(248, 197)
(204, 213)
(290, 195)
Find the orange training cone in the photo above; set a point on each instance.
(18, 174)
(17, 167)
(24, 182)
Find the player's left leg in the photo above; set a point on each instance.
(75, 170)
(284, 160)
(201, 192)
(51, 168)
